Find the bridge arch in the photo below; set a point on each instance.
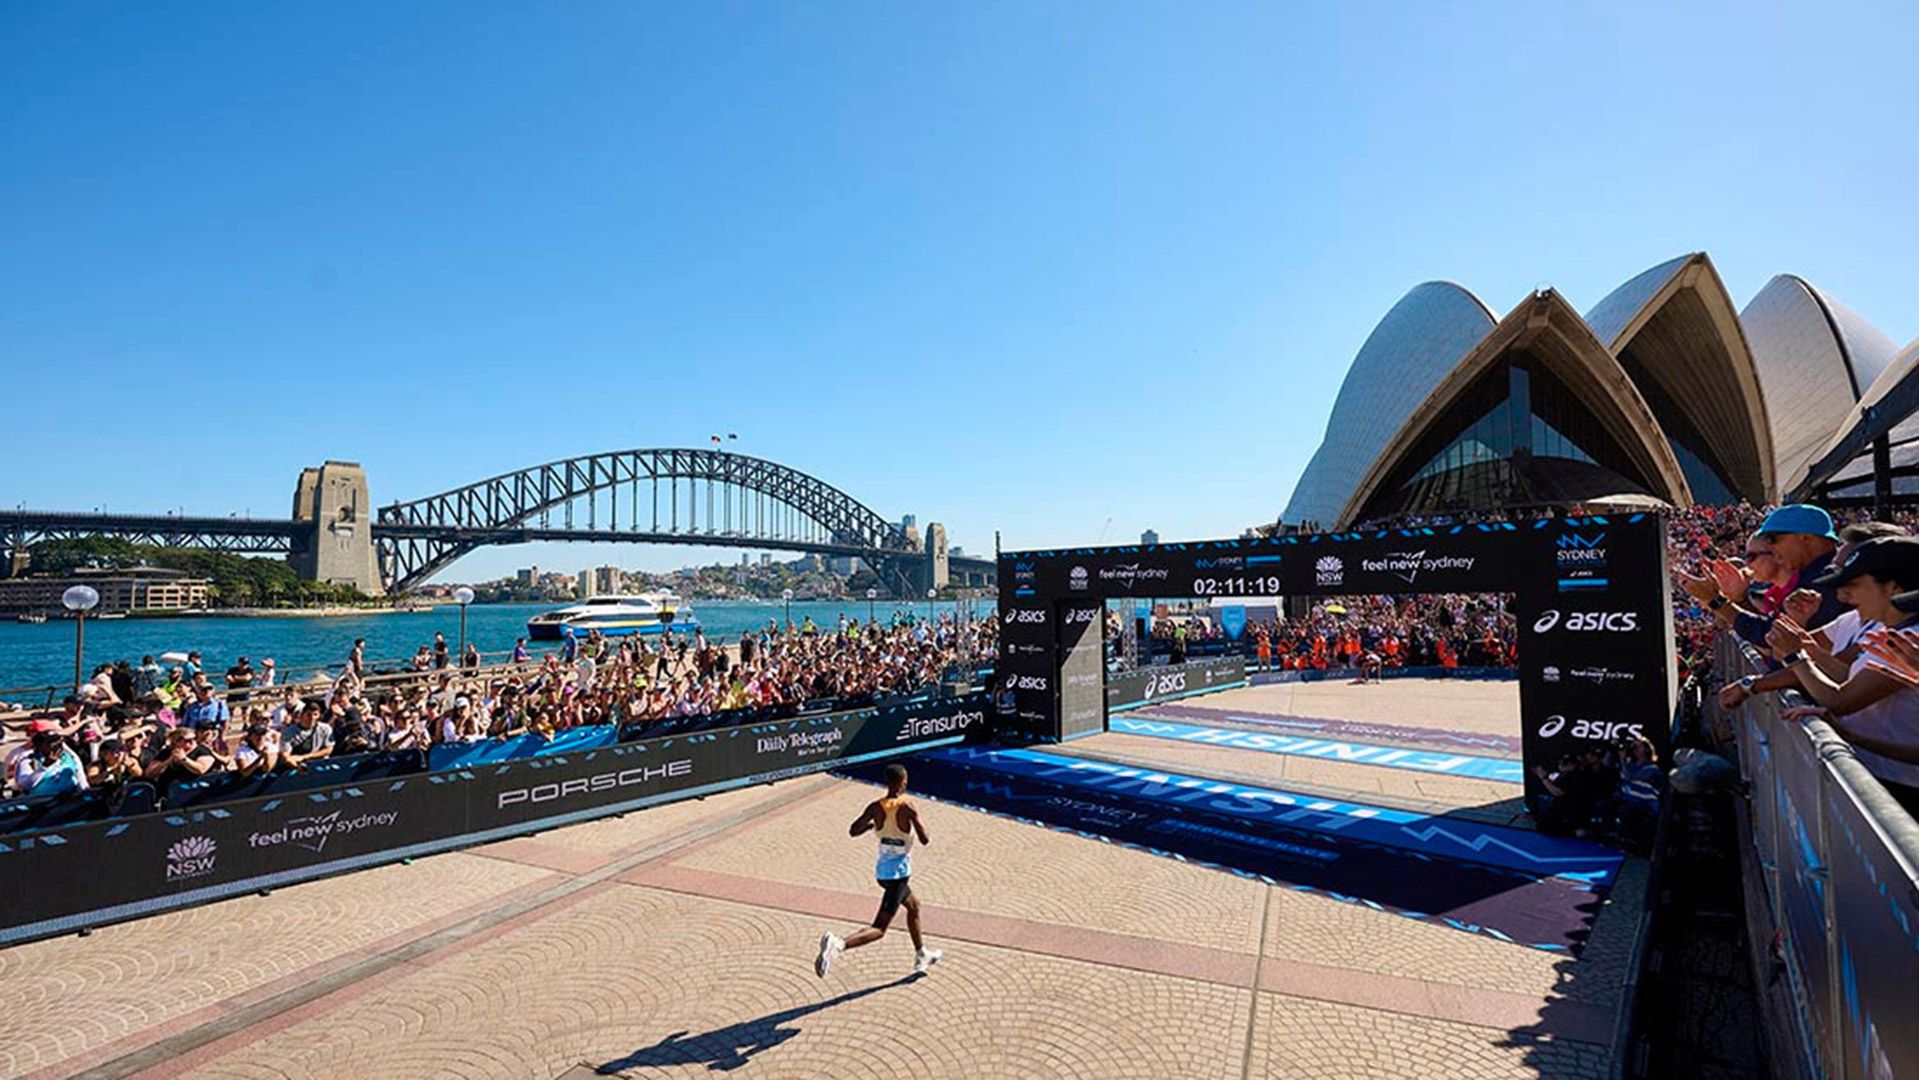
(713, 498)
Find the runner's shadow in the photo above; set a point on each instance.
(728, 1048)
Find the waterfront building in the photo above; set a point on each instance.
(1149, 538)
(141, 588)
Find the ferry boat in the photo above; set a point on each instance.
(645, 613)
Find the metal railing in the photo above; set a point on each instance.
(1839, 861)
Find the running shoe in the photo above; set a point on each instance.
(830, 949)
(926, 959)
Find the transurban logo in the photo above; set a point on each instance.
(637, 776)
(802, 744)
(1076, 579)
(312, 833)
(1131, 574)
(1618, 622)
(1408, 565)
(919, 727)
(191, 857)
(1329, 570)
(1594, 730)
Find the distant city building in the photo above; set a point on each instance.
(142, 588)
(766, 558)
(845, 565)
(1149, 538)
(607, 580)
(528, 576)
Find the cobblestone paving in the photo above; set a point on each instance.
(982, 863)
(66, 995)
(1298, 1038)
(1066, 957)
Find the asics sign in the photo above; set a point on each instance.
(1026, 682)
(1618, 622)
(1595, 730)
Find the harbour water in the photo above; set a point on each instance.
(34, 655)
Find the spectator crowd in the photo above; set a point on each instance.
(131, 724)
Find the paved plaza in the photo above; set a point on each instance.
(679, 941)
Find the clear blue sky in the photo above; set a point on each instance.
(1017, 266)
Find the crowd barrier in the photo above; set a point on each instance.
(1142, 686)
(86, 875)
(1839, 859)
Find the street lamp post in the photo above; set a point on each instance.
(787, 595)
(930, 594)
(871, 595)
(79, 599)
(463, 596)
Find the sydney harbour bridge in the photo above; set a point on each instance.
(708, 498)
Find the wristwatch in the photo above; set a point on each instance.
(1793, 657)
(1717, 603)
(1746, 683)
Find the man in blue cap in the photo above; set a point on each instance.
(1793, 547)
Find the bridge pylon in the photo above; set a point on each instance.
(337, 546)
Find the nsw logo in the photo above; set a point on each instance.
(1329, 570)
(191, 857)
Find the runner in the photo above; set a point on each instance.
(898, 823)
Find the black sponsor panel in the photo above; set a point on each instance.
(1595, 639)
(1144, 685)
(102, 872)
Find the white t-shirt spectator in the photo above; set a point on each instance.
(1845, 631)
(64, 773)
(1894, 719)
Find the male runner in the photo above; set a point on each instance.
(897, 823)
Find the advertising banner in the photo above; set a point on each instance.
(89, 875)
(1082, 667)
(1876, 912)
(1130, 689)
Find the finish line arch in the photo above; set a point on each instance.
(1587, 592)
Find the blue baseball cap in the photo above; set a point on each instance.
(1800, 518)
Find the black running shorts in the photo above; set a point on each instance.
(892, 895)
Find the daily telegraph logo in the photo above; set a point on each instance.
(1076, 579)
(1131, 574)
(586, 785)
(1021, 648)
(312, 833)
(191, 857)
(1329, 570)
(1408, 565)
(800, 743)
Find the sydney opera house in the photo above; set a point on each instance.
(1663, 392)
